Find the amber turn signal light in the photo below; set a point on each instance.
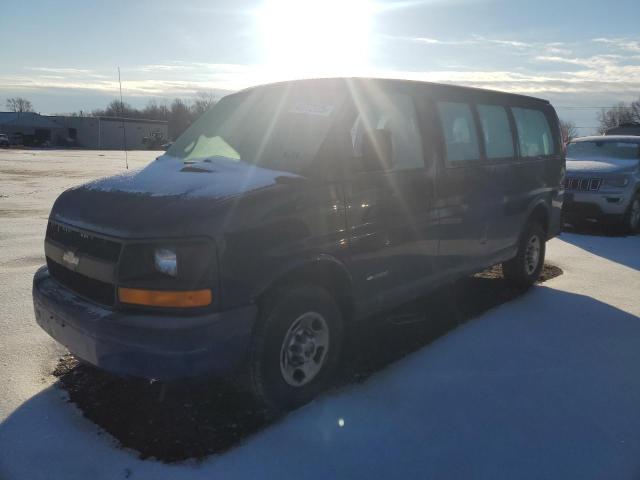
(165, 298)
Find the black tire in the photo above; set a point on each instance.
(523, 270)
(630, 220)
(278, 315)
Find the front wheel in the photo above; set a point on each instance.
(631, 219)
(524, 269)
(296, 346)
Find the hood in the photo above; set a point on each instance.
(167, 198)
(601, 165)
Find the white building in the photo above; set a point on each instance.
(109, 133)
(28, 128)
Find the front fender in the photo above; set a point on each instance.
(324, 266)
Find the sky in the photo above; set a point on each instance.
(63, 55)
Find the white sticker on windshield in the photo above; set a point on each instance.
(627, 145)
(312, 109)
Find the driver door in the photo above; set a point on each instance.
(390, 201)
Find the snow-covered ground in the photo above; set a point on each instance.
(545, 386)
(30, 181)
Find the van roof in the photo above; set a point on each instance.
(387, 81)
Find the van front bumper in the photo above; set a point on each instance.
(162, 347)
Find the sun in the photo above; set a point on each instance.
(302, 38)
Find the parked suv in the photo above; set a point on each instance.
(290, 211)
(4, 140)
(603, 181)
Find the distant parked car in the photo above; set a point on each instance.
(4, 140)
(603, 181)
(624, 129)
(17, 139)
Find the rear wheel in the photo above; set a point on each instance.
(524, 269)
(296, 347)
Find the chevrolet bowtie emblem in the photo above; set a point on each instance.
(70, 259)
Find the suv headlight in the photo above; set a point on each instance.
(617, 181)
(166, 261)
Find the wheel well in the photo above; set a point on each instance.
(540, 215)
(322, 274)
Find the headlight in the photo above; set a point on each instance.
(166, 261)
(171, 265)
(616, 181)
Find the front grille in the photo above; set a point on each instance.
(583, 184)
(84, 242)
(581, 210)
(100, 292)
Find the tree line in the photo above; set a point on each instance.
(619, 114)
(179, 114)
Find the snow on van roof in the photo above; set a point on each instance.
(384, 80)
(608, 138)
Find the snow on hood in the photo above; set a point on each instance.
(217, 177)
(601, 165)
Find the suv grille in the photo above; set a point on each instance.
(583, 184)
(87, 244)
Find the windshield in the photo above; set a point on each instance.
(280, 127)
(600, 149)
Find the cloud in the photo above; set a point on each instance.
(473, 40)
(500, 46)
(156, 80)
(595, 68)
(72, 71)
(628, 44)
(598, 65)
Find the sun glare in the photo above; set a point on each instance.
(315, 37)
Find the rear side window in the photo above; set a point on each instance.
(498, 140)
(459, 130)
(534, 133)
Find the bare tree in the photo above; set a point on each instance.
(616, 116)
(155, 111)
(19, 104)
(635, 110)
(203, 102)
(569, 130)
(180, 117)
(179, 114)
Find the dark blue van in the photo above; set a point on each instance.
(289, 211)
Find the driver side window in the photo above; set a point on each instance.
(459, 129)
(385, 134)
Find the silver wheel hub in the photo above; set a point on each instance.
(304, 349)
(532, 255)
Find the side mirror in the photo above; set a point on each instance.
(376, 151)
